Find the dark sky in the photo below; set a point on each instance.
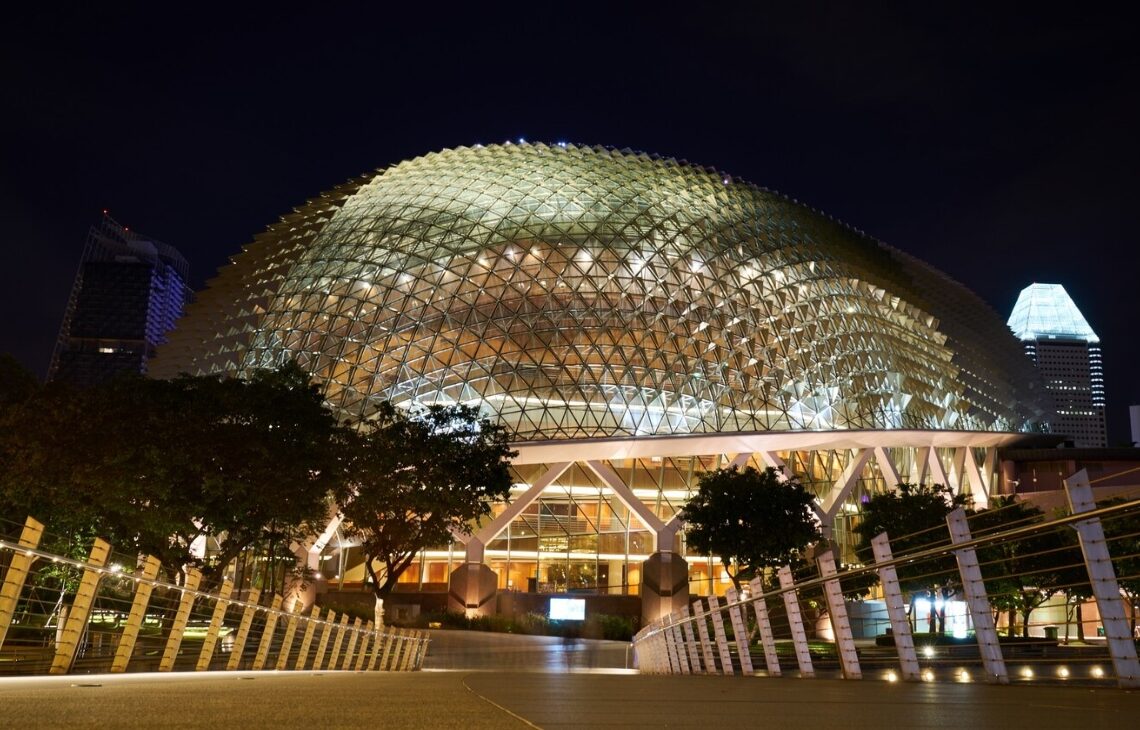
(1000, 146)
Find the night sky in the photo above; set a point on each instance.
(1001, 148)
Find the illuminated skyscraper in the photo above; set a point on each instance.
(1066, 351)
(128, 293)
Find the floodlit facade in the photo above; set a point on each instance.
(634, 321)
(1066, 350)
(128, 294)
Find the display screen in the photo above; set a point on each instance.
(567, 609)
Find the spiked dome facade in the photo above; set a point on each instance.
(588, 296)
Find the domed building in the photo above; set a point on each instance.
(634, 321)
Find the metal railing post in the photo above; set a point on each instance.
(181, 617)
(691, 642)
(795, 619)
(350, 650)
(739, 631)
(767, 639)
(130, 635)
(974, 589)
(80, 608)
(290, 635)
(322, 645)
(721, 638)
(210, 643)
(1102, 576)
(242, 634)
(840, 623)
(703, 633)
(896, 609)
(17, 573)
(267, 634)
(311, 624)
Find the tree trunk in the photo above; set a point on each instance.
(1025, 624)
(1080, 620)
(379, 613)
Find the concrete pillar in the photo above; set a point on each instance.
(473, 586)
(664, 585)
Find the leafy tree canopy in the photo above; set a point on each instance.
(750, 519)
(418, 480)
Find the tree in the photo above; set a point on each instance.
(1021, 575)
(750, 519)
(153, 465)
(914, 518)
(417, 481)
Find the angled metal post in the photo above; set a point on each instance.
(976, 600)
(210, 644)
(389, 640)
(338, 642)
(365, 645)
(1102, 576)
(322, 646)
(80, 608)
(266, 642)
(721, 637)
(691, 641)
(703, 633)
(130, 635)
(767, 639)
(795, 619)
(896, 609)
(840, 623)
(739, 631)
(353, 638)
(181, 617)
(290, 634)
(243, 629)
(671, 645)
(311, 624)
(17, 573)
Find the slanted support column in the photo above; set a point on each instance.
(672, 650)
(975, 591)
(840, 623)
(896, 608)
(1102, 576)
(80, 608)
(921, 465)
(839, 493)
(17, 573)
(773, 461)
(365, 646)
(767, 639)
(979, 487)
(795, 619)
(143, 589)
(938, 472)
(888, 469)
(181, 618)
(353, 638)
(739, 631)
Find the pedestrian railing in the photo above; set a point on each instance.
(104, 612)
(987, 587)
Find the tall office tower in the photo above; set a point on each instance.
(1066, 351)
(128, 293)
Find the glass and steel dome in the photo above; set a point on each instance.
(577, 292)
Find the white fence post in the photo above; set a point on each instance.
(703, 632)
(795, 619)
(975, 591)
(691, 641)
(739, 630)
(1102, 576)
(721, 638)
(243, 629)
(840, 623)
(17, 572)
(80, 608)
(181, 618)
(767, 639)
(144, 586)
(896, 609)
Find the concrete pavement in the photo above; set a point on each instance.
(498, 699)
